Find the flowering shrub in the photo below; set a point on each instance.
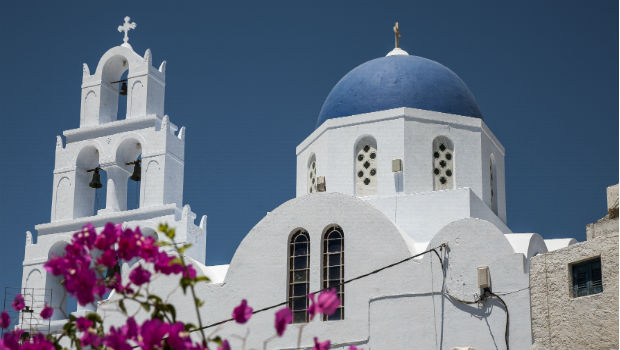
(90, 268)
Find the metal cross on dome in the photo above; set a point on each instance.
(396, 35)
(126, 27)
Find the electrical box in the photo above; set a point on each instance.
(397, 165)
(484, 277)
(320, 184)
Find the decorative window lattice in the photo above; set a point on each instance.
(299, 275)
(587, 278)
(443, 165)
(333, 267)
(312, 175)
(366, 169)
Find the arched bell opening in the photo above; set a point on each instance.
(114, 89)
(63, 303)
(121, 86)
(129, 157)
(90, 183)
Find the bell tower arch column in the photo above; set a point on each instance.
(116, 196)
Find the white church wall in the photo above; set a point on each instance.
(492, 149)
(406, 295)
(407, 134)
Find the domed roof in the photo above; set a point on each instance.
(399, 80)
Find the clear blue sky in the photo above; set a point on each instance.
(248, 80)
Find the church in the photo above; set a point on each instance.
(400, 205)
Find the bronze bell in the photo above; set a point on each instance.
(96, 181)
(123, 89)
(137, 171)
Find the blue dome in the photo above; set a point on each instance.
(399, 81)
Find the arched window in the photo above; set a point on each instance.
(299, 275)
(312, 174)
(493, 183)
(333, 266)
(366, 166)
(443, 163)
(90, 186)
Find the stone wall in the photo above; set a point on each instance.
(561, 321)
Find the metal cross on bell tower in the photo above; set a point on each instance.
(126, 27)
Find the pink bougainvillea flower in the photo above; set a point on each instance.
(353, 347)
(313, 308)
(47, 312)
(178, 338)
(131, 328)
(11, 341)
(283, 318)
(326, 304)
(90, 338)
(18, 303)
(108, 258)
(190, 272)
(242, 313)
(148, 248)
(321, 346)
(139, 276)
(86, 237)
(5, 320)
(225, 345)
(127, 244)
(83, 324)
(152, 333)
(37, 342)
(82, 283)
(116, 339)
(108, 237)
(56, 265)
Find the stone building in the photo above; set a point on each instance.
(401, 162)
(574, 290)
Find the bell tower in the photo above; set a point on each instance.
(141, 148)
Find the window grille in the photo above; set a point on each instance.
(366, 167)
(443, 163)
(587, 278)
(299, 275)
(333, 267)
(312, 174)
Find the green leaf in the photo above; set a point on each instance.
(176, 261)
(217, 340)
(121, 304)
(155, 298)
(163, 244)
(202, 279)
(185, 282)
(199, 302)
(146, 307)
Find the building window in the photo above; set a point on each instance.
(443, 163)
(587, 278)
(312, 174)
(333, 266)
(299, 279)
(493, 184)
(366, 167)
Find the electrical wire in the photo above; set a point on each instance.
(341, 284)
(486, 295)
